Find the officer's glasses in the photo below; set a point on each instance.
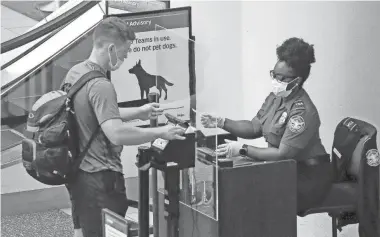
(281, 78)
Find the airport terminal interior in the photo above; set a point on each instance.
(202, 57)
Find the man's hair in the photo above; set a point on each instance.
(112, 30)
(298, 55)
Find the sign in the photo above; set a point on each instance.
(114, 225)
(158, 61)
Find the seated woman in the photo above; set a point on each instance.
(289, 122)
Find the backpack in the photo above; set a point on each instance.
(50, 150)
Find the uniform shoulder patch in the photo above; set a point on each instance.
(373, 157)
(296, 124)
(298, 105)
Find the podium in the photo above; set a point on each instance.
(254, 199)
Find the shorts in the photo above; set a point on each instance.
(90, 193)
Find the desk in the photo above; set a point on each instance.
(255, 200)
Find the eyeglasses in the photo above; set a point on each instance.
(280, 77)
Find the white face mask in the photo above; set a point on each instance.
(118, 62)
(279, 88)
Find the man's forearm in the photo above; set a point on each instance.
(128, 135)
(130, 113)
(243, 128)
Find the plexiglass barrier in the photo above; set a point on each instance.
(199, 185)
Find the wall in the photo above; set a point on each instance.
(220, 38)
(344, 80)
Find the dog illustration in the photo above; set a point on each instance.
(147, 81)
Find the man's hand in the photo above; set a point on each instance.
(229, 149)
(150, 111)
(170, 132)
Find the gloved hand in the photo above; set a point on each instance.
(210, 121)
(229, 149)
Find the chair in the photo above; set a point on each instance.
(346, 195)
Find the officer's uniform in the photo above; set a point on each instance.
(294, 121)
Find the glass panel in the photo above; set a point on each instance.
(199, 188)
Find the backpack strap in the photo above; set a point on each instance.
(82, 81)
(71, 93)
(81, 155)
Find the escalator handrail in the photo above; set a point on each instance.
(48, 27)
(8, 87)
(23, 54)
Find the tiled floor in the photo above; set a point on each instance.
(58, 224)
(132, 214)
(318, 225)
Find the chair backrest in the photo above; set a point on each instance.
(354, 143)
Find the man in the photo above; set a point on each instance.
(100, 182)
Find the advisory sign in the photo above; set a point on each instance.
(158, 61)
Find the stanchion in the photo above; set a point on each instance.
(172, 192)
(143, 159)
(153, 97)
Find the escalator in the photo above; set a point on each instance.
(37, 61)
(41, 59)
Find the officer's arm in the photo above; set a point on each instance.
(249, 129)
(244, 128)
(300, 129)
(273, 154)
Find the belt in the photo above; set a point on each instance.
(316, 160)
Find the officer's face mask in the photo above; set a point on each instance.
(115, 61)
(279, 88)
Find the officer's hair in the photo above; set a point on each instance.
(298, 55)
(112, 30)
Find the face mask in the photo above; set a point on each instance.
(118, 62)
(279, 88)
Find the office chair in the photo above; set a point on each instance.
(354, 195)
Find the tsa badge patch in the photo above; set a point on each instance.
(296, 124)
(373, 157)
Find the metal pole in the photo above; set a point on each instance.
(172, 201)
(153, 97)
(143, 159)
